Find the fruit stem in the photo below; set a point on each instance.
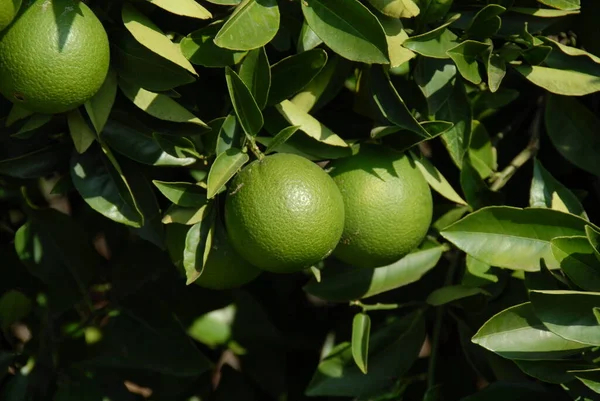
(380, 306)
(437, 325)
(254, 147)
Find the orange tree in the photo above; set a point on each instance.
(147, 253)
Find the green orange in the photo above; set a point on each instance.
(283, 213)
(8, 11)
(224, 269)
(54, 56)
(388, 206)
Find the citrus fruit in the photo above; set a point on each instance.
(53, 57)
(8, 10)
(224, 269)
(388, 206)
(283, 213)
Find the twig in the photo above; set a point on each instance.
(523, 157)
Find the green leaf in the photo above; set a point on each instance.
(308, 38)
(100, 105)
(183, 215)
(33, 123)
(481, 152)
(543, 12)
(513, 238)
(102, 185)
(561, 82)
(131, 139)
(486, 22)
(568, 314)
(562, 4)
(435, 78)
(476, 191)
(478, 272)
(396, 8)
(256, 74)
(158, 105)
(395, 36)
(458, 111)
(593, 235)
(229, 135)
(253, 24)
(570, 51)
(14, 306)
(136, 63)
(516, 333)
(448, 294)
(552, 371)
(225, 2)
(81, 133)
(348, 28)
(337, 374)
(391, 104)
(589, 377)
(246, 109)
(176, 146)
(182, 193)
(152, 230)
(433, 10)
(495, 66)
(197, 241)
(345, 283)
(186, 8)
(224, 168)
(437, 181)
(578, 260)
(573, 130)
(546, 191)
(325, 85)
(305, 146)
(293, 73)
(308, 124)
(281, 138)
(361, 327)
(200, 49)
(149, 35)
(34, 163)
(465, 57)
(434, 43)
(17, 113)
(214, 328)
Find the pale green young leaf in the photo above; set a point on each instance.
(100, 105)
(182, 193)
(186, 8)
(149, 35)
(224, 168)
(80, 131)
(158, 105)
(361, 328)
(546, 191)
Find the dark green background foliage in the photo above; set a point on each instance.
(496, 102)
